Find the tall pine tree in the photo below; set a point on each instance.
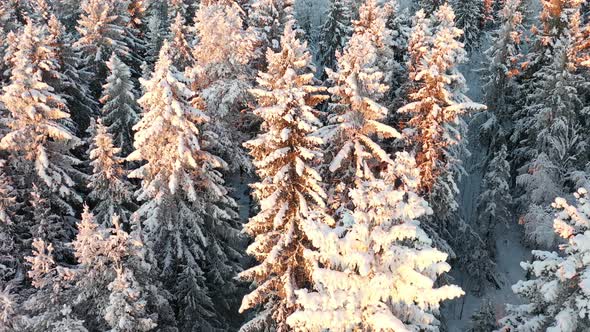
(354, 153)
(120, 110)
(189, 221)
(111, 192)
(40, 139)
(289, 188)
(378, 272)
(334, 33)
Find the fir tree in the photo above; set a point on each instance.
(435, 108)
(182, 56)
(119, 110)
(137, 10)
(334, 33)
(398, 26)
(73, 83)
(41, 11)
(556, 145)
(435, 131)
(39, 138)
(428, 6)
(495, 200)
(354, 119)
(289, 188)
(503, 56)
(268, 18)
(378, 273)
(111, 192)
(484, 319)
(156, 32)
(555, 296)
(10, 253)
(221, 77)
(186, 206)
(102, 32)
(68, 12)
(469, 18)
(126, 311)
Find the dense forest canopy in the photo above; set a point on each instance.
(293, 165)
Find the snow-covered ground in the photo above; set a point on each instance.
(240, 191)
(510, 251)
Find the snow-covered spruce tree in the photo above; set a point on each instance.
(111, 192)
(47, 224)
(434, 131)
(580, 32)
(10, 248)
(39, 139)
(470, 19)
(437, 103)
(395, 55)
(484, 319)
(334, 33)
(138, 10)
(428, 6)
(289, 187)
(68, 12)
(495, 201)
(500, 89)
(355, 115)
(499, 76)
(126, 311)
(420, 35)
(182, 56)
(134, 33)
(106, 255)
(102, 29)
(41, 310)
(41, 11)
(7, 25)
(267, 18)
(120, 110)
(372, 23)
(73, 83)
(91, 292)
(558, 19)
(189, 221)
(20, 10)
(177, 8)
(555, 295)
(221, 77)
(112, 276)
(67, 322)
(304, 13)
(556, 144)
(379, 272)
(156, 31)
(43, 51)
